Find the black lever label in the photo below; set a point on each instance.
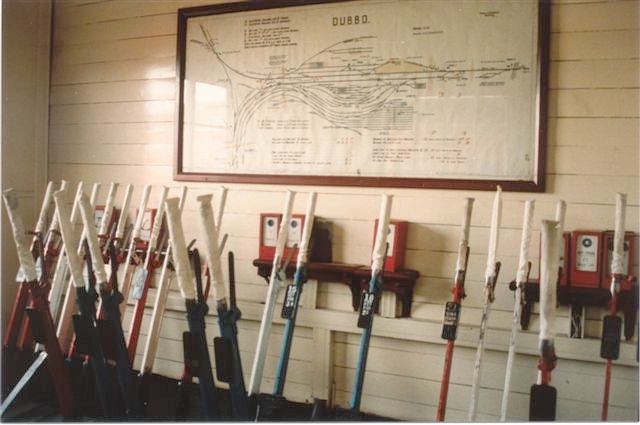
(107, 338)
(289, 301)
(81, 327)
(224, 359)
(367, 309)
(451, 319)
(192, 360)
(611, 332)
(36, 322)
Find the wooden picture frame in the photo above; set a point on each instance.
(345, 93)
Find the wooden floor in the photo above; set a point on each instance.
(35, 411)
(37, 401)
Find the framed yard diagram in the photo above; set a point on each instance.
(390, 93)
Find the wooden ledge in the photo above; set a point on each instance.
(599, 297)
(355, 276)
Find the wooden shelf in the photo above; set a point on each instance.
(355, 276)
(567, 295)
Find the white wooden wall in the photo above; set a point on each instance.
(112, 118)
(26, 40)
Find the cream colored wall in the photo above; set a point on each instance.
(26, 39)
(112, 118)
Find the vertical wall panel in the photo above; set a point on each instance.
(26, 40)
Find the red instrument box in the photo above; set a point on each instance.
(294, 236)
(397, 240)
(99, 213)
(269, 231)
(586, 258)
(630, 241)
(564, 258)
(148, 221)
(269, 225)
